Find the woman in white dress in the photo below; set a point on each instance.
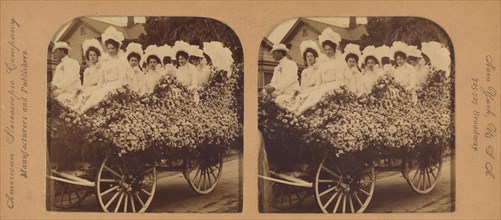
(351, 56)
(154, 69)
(134, 54)
(115, 68)
(186, 72)
(372, 71)
(404, 73)
(333, 71)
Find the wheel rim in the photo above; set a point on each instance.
(423, 172)
(287, 196)
(65, 195)
(341, 188)
(125, 187)
(204, 174)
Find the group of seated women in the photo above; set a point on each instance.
(142, 70)
(359, 70)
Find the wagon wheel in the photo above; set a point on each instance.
(287, 196)
(65, 195)
(204, 173)
(422, 171)
(344, 185)
(126, 184)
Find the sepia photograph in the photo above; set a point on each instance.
(144, 114)
(356, 115)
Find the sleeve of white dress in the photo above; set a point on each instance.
(72, 75)
(290, 71)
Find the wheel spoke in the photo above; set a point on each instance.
(330, 200)
(208, 177)
(415, 174)
(109, 190)
(132, 203)
(365, 192)
(433, 174)
(112, 171)
(139, 199)
(328, 190)
(325, 181)
(330, 172)
(146, 171)
(344, 203)
(111, 200)
(146, 192)
(358, 200)
(109, 180)
(337, 203)
(419, 178)
(119, 201)
(196, 175)
(125, 202)
(69, 197)
(429, 179)
(351, 204)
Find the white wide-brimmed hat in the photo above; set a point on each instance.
(166, 51)
(329, 35)
(196, 51)
(384, 51)
(92, 43)
(221, 56)
(61, 45)
(440, 57)
(180, 46)
(113, 34)
(309, 44)
(151, 50)
(134, 48)
(279, 47)
(414, 52)
(370, 51)
(399, 46)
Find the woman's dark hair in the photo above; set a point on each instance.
(152, 57)
(183, 54)
(385, 60)
(98, 53)
(400, 54)
(412, 58)
(134, 54)
(206, 56)
(309, 50)
(351, 55)
(167, 60)
(331, 44)
(112, 42)
(373, 58)
(426, 58)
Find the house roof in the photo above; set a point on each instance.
(317, 26)
(266, 43)
(100, 26)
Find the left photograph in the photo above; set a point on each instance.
(144, 114)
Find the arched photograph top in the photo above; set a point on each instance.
(345, 102)
(143, 114)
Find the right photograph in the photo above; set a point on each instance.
(356, 115)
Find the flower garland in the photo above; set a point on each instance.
(382, 122)
(165, 121)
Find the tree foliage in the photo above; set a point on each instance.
(194, 30)
(411, 30)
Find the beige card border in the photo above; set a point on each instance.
(474, 28)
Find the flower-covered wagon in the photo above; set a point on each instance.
(334, 149)
(117, 146)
